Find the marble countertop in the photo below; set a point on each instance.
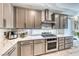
(5, 45)
(63, 35)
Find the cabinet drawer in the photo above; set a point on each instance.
(68, 40)
(61, 38)
(70, 37)
(68, 45)
(61, 41)
(39, 41)
(61, 47)
(61, 44)
(27, 42)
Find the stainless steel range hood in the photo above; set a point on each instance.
(46, 17)
(46, 13)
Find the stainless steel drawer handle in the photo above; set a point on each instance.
(4, 22)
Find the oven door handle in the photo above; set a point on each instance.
(51, 41)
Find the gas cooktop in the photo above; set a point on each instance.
(47, 34)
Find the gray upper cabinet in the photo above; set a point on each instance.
(20, 17)
(65, 21)
(27, 18)
(61, 21)
(33, 19)
(56, 19)
(1, 14)
(7, 15)
(38, 20)
(30, 14)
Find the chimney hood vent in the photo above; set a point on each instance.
(46, 13)
(46, 17)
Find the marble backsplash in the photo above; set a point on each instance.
(68, 31)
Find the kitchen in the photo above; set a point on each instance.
(35, 29)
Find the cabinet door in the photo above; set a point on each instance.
(1, 15)
(61, 21)
(56, 17)
(61, 47)
(68, 45)
(20, 17)
(30, 19)
(65, 21)
(27, 50)
(7, 15)
(68, 40)
(39, 48)
(18, 48)
(26, 18)
(38, 20)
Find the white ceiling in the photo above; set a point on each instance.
(72, 8)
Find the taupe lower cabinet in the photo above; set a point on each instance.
(65, 42)
(27, 48)
(32, 47)
(61, 20)
(8, 15)
(1, 14)
(60, 43)
(39, 47)
(68, 42)
(27, 18)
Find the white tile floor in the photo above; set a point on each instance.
(74, 51)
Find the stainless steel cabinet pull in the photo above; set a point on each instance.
(4, 22)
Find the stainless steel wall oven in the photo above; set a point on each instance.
(51, 45)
